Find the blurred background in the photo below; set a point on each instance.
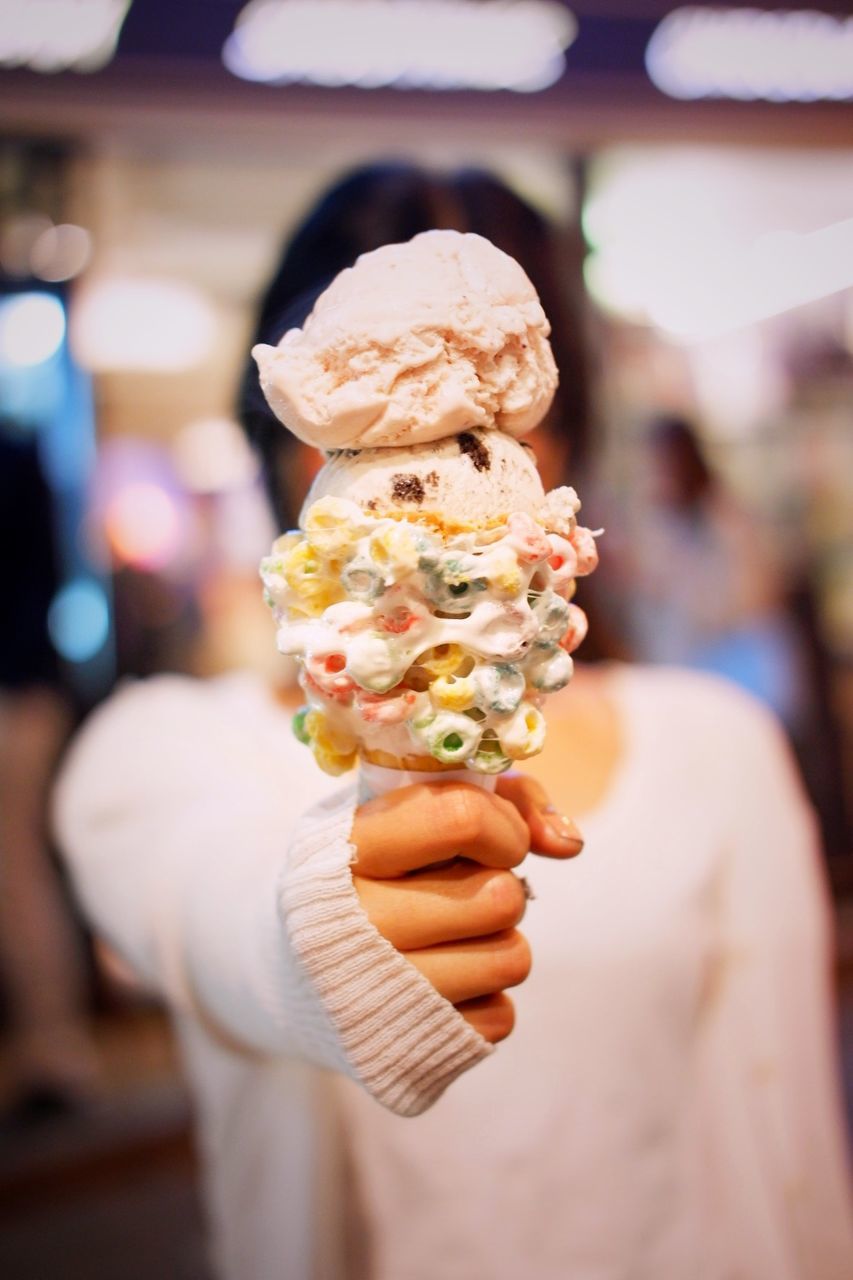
(153, 157)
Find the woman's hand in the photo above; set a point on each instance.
(434, 874)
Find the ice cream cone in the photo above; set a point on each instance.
(426, 594)
(410, 764)
(380, 773)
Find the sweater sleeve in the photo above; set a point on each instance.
(770, 1067)
(188, 856)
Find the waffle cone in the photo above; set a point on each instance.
(413, 763)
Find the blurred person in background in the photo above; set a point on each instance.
(701, 584)
(667, 1105)
(702, 587)
(50, 1059)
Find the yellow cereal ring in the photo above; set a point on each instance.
(301, 562)
(311, 579)
(286, 542)
(299, 609)
(394, 547)
(324, 735)
(329, 524)
(334, 762)
(524, 735)
(505, 573)
(509, 582)
(314, 723)
(312, 599)
(454, 694)
(442, 660)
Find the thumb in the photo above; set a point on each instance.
(551, 832)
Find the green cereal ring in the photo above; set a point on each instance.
(362, 580)
(298, 726)
(452, 737)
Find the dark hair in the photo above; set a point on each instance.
(389, 203)
(678, 442)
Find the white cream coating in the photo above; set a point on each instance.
(478, 478)
(414, 343)
(411, 642)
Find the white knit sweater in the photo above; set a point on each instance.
(667, 1105)
(291, 966)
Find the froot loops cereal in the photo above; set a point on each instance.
(413, 642)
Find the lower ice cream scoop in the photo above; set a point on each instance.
(471, 480)
(430, 627)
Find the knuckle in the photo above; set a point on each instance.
(532, 792)
(513, 960)
(505, 899)
(502, 1020)
(521, 848)
(463, 814)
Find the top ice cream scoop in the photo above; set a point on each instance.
(415, 342)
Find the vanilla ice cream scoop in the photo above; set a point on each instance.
(472, 480)
(415, 342)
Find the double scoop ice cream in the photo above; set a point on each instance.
(427, 592)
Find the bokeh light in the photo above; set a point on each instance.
(79, 620)
(32, 327)
(143, 525)
(127, 322)
(60, 253)
(212, 455)
(673, 247)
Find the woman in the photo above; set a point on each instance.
(666, 1106)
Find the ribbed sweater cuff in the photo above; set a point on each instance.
(404, 1042)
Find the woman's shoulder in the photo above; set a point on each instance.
(698, 700)
(713, 745)
(703, 726)
(178, 704)
(172, 725)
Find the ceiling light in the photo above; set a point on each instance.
(60, 35)
(407, 44)
(748, 54)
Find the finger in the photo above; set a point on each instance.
(492, 1016)
(476, 967)
(459, 901)
(417, 826)
(551, 832)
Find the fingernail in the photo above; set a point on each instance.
(563, 827)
